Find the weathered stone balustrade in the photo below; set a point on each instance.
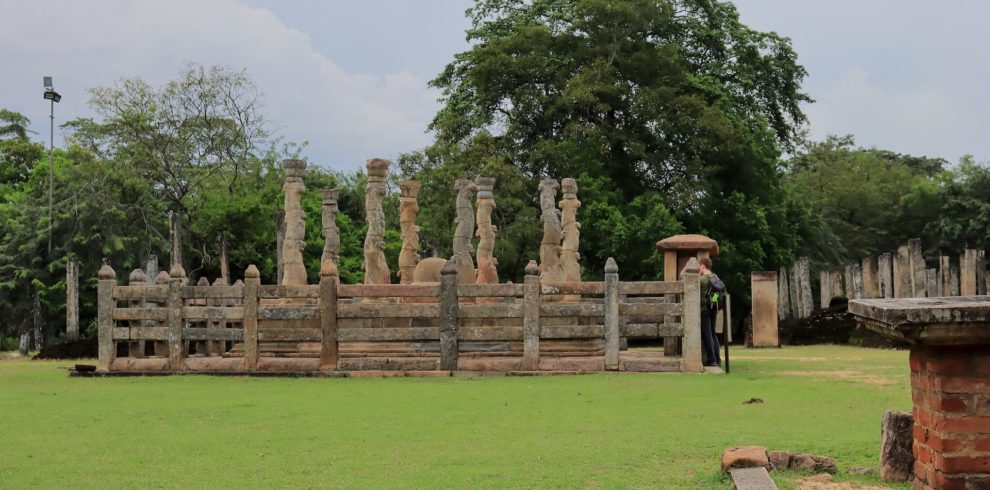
(330, 327)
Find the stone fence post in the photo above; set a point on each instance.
(177, 278)
(252, 280)
(72, 299)
(531, 317)
(104, 295)
(448, 316)
(691, 319)
(328, 315)
(611, 315)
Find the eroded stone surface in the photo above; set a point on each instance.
(487, 271)
(295, 223)
(464, 231)
(569, 253)
(331, 234)
(896, 439)
(550, 248)
(408, 210)
(752, 479)
(375, 268)
(745, 457)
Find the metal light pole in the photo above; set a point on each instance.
(53, 96)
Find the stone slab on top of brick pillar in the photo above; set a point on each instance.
(950, 383)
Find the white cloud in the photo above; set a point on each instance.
(346, 117)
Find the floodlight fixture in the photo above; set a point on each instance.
(53, 96)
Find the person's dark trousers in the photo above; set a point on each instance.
(709, 341)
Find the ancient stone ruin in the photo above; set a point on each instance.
(444, 315)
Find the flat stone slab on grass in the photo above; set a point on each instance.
(752, 479)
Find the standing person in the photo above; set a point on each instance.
(709, 342)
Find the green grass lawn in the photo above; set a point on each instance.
(602, 430)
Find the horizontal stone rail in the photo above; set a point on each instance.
(439, 326)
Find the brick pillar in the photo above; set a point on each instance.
(950, 386)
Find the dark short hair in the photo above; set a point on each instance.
(705, 261)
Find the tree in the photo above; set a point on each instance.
(17, 152)
(870, 200)
(963, 216)
(672, 115)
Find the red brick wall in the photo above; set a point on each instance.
(951, 391)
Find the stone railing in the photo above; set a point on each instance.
(329, 327)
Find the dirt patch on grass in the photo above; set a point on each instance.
(849, 375)
(771, 358)
(824, 482)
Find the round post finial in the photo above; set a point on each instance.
(106, 272)
(252, 272)
(162, 278)
(611, 267)
(137, 276)
(532, 269)
(177, 272)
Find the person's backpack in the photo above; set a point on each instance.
(715, 295)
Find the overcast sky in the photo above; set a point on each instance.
(350, 76)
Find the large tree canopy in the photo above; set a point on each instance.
(672, 115)
(655, 94)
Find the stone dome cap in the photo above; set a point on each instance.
(688, 242)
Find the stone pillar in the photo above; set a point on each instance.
(857, 281)
(764, 291)
(569, 255)
(151, 269)
(896, 440)
(783, 296)
(847, 279)
(954, 281)
(837, 288)
(967, 273)
(375, 268)
(487, 270)
(531, 317)
(279, 243)
(824, 286)
(294, 270)
(331, 234)
(448, 317)
(691, 318)
(919, 281)
(550, 266)
(464, 231)
(871, 284)
(885, 276)
(72, 299)
(329, 280)
(224, 261)
(175, 231)
(104, 318)
(902, 273)
(408, 210)
(950, 383)
(945, 275)
(611, 300)
(795, 283)
(931, 283)
(807, 300)
(981, 272)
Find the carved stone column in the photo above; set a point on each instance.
(408, 209)
(295, 223)
(464, 231)
(569, 255)
(375, 268)
(331, 234)
(550, 267)
(487, 272)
